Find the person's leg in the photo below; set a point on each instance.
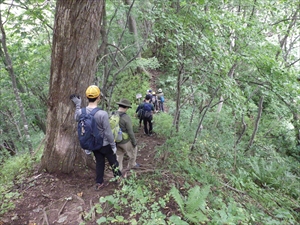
(131, 152)
(150, 125)
(112, 159)
(120, 155)
(145, 126)
(162, 107)
(100, 164)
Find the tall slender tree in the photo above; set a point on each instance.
(9, 67)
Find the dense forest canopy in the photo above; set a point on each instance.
(229, 69)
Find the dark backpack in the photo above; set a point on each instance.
(88, 132)
(147, 110)
(141, 113)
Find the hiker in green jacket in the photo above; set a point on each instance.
(129, 145)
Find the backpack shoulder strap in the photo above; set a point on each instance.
(83, 110)
(94, 111)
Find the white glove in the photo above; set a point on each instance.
(115, 150)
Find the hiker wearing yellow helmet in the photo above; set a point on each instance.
(108, 149)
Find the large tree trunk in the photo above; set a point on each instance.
(73, 66)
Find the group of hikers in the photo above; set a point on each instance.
(109, 149)
(152, 103)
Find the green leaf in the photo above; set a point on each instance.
(177, 197)
(177, 220)
(101, 220)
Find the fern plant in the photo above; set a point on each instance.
(192, 206)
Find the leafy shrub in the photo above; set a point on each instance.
(141, 204)
(163, 125)
(13, 169)
(193, 207)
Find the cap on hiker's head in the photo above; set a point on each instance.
(150, 90)
(148, 97)
(124, 102)
(92, 91)
(159, 90)
(153, 93)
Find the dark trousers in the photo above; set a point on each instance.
(100, 155)
(161, 106)
(146, 122)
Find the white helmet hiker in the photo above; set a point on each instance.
(159, 90)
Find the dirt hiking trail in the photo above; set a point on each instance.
(65, 199)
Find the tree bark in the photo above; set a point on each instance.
(73, 65)
(260, 108)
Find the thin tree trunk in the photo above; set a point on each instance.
(242, 133)
(198, 131)
(260, 108)
(132, 26)
(293, 20)
(10, 69)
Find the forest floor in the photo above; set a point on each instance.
(65, 199)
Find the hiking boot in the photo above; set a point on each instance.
(99, 186)
(137, 165)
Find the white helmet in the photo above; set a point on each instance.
(159, 90)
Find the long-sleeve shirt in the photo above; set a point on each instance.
(158, 95)
(102, 121)
(126, 127)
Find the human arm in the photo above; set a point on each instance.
(129, 129)
(138, 108)
(105, 129)
(77, 102)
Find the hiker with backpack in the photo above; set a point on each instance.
(160, 99)
(98, 122)
(149, 92)
(140, 113)
(128, 144)
(146, 110)
(154, 101)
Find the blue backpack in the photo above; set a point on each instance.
(147, 110)
(88, 132)
(162, 99)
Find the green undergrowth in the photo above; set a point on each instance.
(213, 184)
(14, 170)
(12, 173)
